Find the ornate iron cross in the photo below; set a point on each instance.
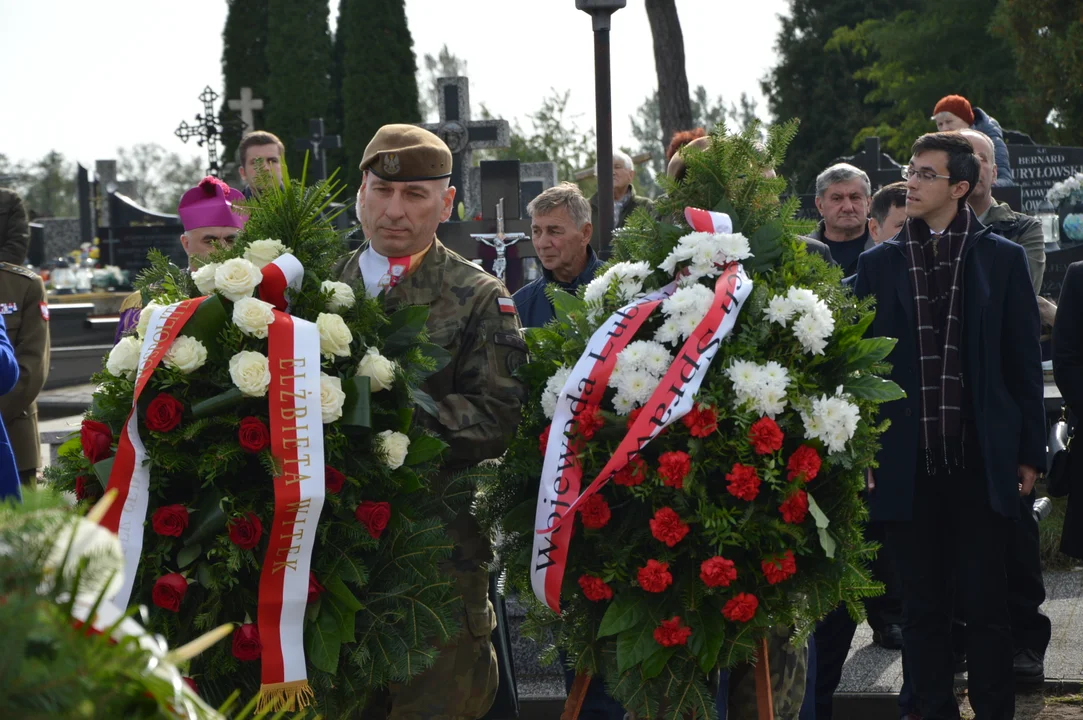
(208, 129)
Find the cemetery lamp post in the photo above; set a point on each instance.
(600, 12)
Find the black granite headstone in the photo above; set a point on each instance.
(134, 231)
(1056, 266)
(1037, 167)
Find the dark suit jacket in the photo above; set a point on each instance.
(1068, 371)
(1002, 369)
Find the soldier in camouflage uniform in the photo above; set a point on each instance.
(788, 665)
(404, 196)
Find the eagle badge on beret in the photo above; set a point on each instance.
(390, 164)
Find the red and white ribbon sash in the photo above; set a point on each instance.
(130, 475)
(561, 472)
(708, 220)
(283, 273)
(297, 445)
(670, 401)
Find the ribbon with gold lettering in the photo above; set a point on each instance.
(297, 445)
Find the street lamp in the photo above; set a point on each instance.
(600, 12)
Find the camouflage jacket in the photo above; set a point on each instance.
(477, 399)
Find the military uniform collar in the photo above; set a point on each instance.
(425, 284)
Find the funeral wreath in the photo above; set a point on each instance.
(258, 427)
(688, 472)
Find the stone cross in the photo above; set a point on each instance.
(246, 105)
(317, 144)
(207, 130)
(464, 135)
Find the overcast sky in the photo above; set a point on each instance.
(86, 77)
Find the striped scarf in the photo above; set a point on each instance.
(936, 274)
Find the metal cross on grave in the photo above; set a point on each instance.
(464, 135)
(246, 105)
(208, 129)
(317, 144)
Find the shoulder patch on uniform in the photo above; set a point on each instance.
(505, 305)
(44, 310)
(516, 354)
(18, 270)
(510, 339)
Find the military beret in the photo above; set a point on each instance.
(405, 153)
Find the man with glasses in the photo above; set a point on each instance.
(958, 298)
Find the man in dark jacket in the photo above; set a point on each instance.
(842, 197)
(560, 229)
(625, 200)
(966, 440)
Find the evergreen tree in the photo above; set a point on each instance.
(244, 62)
(298, 66)
(379, 74)
(818, 85)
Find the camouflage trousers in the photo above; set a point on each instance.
(462, 684)
(789, 666)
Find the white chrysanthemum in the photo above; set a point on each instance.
(810, 333)
(185, 354)
(123, 359)
(252, 316)
(779, 310)
(833, 421)
(669, 332)
(633, 355)
(745, 376)
(263, 252)
(656, 359)
(552, 390)
(802, 299)
(638, 385)
(774, 375)
(687, 325)
(204, 277)
(734, 247)
(622, 404)
(770, 401)
(342, 295)
(706, 253)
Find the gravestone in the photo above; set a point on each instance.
(317, 144)
(464, 135)
(245, 105)
(534, 179)
(1037, 167)
(1056, 266)
(134, 230)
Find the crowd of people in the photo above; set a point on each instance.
(955, 275)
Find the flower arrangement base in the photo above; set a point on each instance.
(578, 692)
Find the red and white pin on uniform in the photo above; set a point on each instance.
(44, 310)
(506, 305)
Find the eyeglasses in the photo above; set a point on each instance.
(922, 175)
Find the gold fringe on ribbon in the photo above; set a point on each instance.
(292, 696)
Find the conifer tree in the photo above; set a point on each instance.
(298, 65)
(379, 74)
(244, 61)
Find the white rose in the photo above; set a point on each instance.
(342, 295)
(395, 446)
(236, 278)
(262, 252)
(335, 336)
(250, 372)
(331, 398)
(123, 359)
(379, 370)
(253, 316)
(204, 277)
(185, 354)
(144, 318)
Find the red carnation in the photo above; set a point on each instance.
(701, 420)
(741, 607)
(169, 591)
(717, 572)
(246, 644)
(670, 632)
(333, 480)
(633, 416)
(170, 520)
(654, 577)
(595, 589)
(804, 463)
(86, 488)
(744, 483)
(543, 439)
(794, 509)
(632, 474)
(595, 512)
(253, 435)
(374, 516)
(164, 413)
(314, 588)
(191, 684)
(667, 527)
(765, 436)
(780, 568)
(245, 532)
(674, 467)
(589, 421)
(97, 440)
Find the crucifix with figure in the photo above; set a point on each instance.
(317, 144)
(464, 135)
